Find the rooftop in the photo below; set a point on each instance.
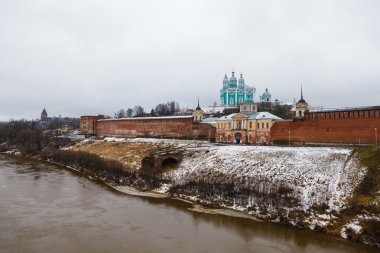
(345, 109)
(256, 115)
(150, 118)
(210, 120)
(216, 109)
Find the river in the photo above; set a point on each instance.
(47, 208)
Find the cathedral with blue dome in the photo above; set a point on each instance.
(235, 91)
(266, 97)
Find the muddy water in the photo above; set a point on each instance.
(45, 208)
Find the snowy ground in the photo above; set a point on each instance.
(317, 175)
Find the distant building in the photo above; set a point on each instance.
(266, 97)
(235, 91)
(44, 120)
(58, 122)
(44, 115)
(246, 127)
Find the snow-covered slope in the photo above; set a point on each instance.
(296, 178)
(305, 186)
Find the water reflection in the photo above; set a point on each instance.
(50, 209)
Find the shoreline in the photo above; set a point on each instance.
(198, 204)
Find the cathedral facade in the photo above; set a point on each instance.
(235, 92)
(246, 127)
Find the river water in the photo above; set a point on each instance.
(47, 208)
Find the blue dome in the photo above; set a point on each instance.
(233, 80)
(266, 97)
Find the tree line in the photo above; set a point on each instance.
(29, 137)
(169, 108)
(280, 110)
(26, 135)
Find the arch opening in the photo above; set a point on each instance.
(169, 163)
(238, 138)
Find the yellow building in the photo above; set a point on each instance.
(246, 127)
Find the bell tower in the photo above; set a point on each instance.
(301, 107)
(44, 115)
(198, 113)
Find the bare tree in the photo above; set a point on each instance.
(138, 111)
(129, 112)
(120, 114)
(167, 109)
(162, 110)
(280, 110)
(171, 106)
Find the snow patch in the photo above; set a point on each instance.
(353, 226)
(318, 176)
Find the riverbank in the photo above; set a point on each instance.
(332, 190)
(138, 191)
(51, 209)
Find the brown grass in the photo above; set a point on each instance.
(128, 153)
(365, 194)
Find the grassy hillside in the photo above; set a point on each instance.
(364, 205)
(367, 193)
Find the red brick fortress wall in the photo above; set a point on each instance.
(156, 127)
(342, 127)
(88, 124)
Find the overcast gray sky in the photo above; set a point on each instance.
(78, 57)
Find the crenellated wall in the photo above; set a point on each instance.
(355, 126)
(181, 127)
